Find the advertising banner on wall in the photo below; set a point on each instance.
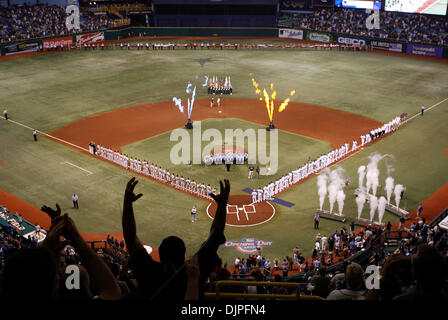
(320, 37)
(90, 38)
(423, 50)
(323, 3)
(388, 46)
(351, 41)
(57, 42)
(290, 33)
(20, 47)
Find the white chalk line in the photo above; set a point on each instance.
(46, 134)
(433, 106)
(362, 148)
(74, 165)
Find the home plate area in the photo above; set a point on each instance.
(241, 212)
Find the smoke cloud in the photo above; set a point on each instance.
(389, 188)
(398, 189)
(373, 206)
(336, 183)
(322, 187)
(340, 198)
(361, 176)
(381, 208)
(373, 172)
(360, 201)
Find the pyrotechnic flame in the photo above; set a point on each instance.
(270, 98)
(285, 102)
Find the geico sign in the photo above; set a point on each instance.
(351, 41)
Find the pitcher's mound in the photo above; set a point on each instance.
(241, 212)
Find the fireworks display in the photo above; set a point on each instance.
(269, 97)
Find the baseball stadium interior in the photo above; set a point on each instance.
(93, 92)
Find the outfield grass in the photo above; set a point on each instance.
(52, 90)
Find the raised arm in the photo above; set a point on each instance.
(221, 199)
(100, 274)
(133, 244)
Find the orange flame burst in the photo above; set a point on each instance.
(269, 99)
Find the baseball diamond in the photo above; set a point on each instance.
(268, 140)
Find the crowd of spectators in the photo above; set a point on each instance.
(393, 25)
(123, 269)
(417, 269)
(34, 21)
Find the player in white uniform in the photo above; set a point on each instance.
(260, 195)
(266, 193)
(182, 183)
(254, 196)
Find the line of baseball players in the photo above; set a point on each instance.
(154, 46)
(158, 173)
(379, 132)
(228, 157)
(311, 167)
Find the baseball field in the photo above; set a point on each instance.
(123, 99)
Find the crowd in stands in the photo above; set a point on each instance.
(123, 269)
(417, 269)
(393, 25)
(28, 22)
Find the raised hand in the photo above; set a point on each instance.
(129, 195)
(70, 230)
(223, 197)
(52, 213)
(192, 268)
(52, 240)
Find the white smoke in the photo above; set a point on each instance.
(361, 176)
(322, 187)
(389, 188)
(360, 201)
(381, 208)
(336, 184)
(191, 103)
(373, 172)
(340, 198)
(178, 103)
(398, 189)
(373, 206)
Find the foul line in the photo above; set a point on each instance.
(45, 134)
(74, 165)
(418, 113)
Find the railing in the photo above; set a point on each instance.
(93, 244)
(362, 257)
(295, 296)
(442, 215)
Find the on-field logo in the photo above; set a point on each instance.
(257, 144)
(249, 245)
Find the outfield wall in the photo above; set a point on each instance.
(283, 33)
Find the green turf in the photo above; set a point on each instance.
(158, 150)
(49, 91)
